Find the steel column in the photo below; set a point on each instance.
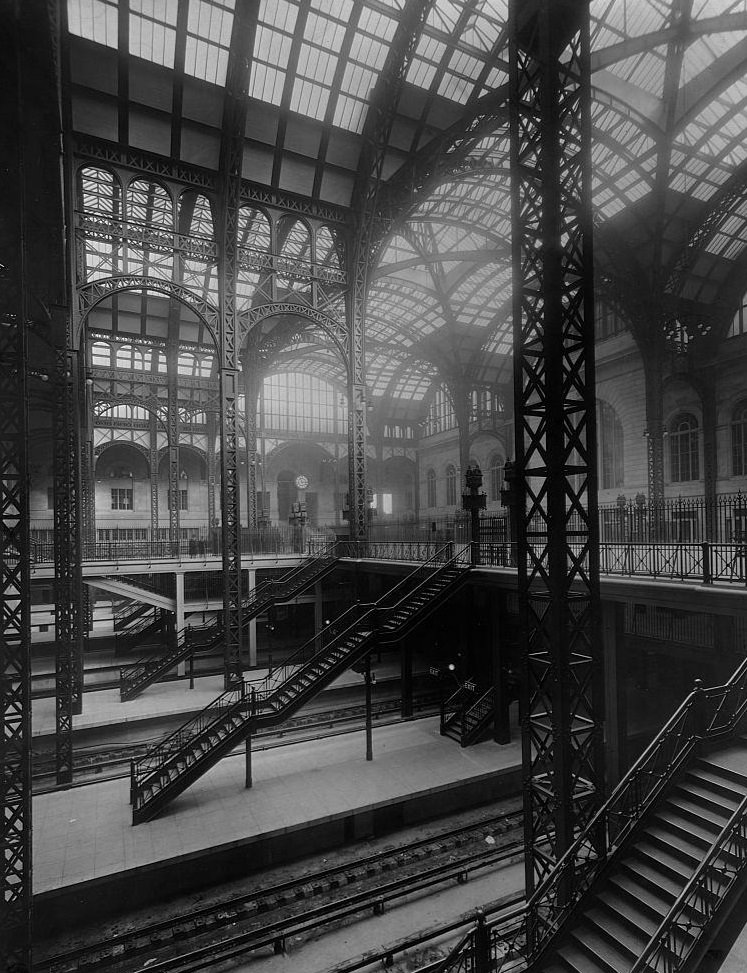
(172, 426)
(153, 474)
(231, 158)
(67, 555)
(252, 385)
(15, 600)
(555, 434)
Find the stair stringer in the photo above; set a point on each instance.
(388, 635)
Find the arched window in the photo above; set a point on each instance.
(495, 476)
(128, 356)
(430, 488)
(610, 449)
(739, 440)
(101, 354)
(683, 448)
(451, 485)
(254, 229)
(441, 416)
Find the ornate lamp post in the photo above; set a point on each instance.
(474, 502)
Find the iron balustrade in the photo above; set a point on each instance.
(680, 930)
(236, 700)
(706, 714)
(344, 625)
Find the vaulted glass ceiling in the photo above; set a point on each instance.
(669, 154)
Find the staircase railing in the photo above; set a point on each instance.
(444, 557)
(131, 637)
(342, 626)
(453, 706)
(274, 589)
(704, 714)
(475, 717)
(140, 673)
(696, 906)
(128, 611)
(237, 699)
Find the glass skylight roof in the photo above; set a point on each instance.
(315, 64)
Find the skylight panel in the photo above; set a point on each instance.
(152, 30)
(484, 26)
(96, 20)
(444, 15)
(208, 38)
(272, 47)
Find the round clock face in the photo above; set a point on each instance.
(302, 481)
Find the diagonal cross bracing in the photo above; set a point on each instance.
(555, 434)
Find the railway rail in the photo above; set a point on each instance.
(264, 918)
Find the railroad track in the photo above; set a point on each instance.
(106, 762)
(264, 918)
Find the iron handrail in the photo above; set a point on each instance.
(483, 705)
(439, 560)
(186, 638)
(311, 649)
(662, 945)
(159, 754)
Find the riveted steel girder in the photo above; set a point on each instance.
(555, 435)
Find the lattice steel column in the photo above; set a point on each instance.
(357, 417)
(68, 583)
(172, 426)
(231, 156)
(211, 436)
(153, 474)
(555, 432)
(252, 385)
(15, 600)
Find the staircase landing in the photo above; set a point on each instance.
(305, 797)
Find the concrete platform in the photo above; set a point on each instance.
(89, 860)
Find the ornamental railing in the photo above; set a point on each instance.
(705, 714)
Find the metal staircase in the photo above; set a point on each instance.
(653, 872)
(176, 762)
(467, 716)
(133, 679)
(146, 625)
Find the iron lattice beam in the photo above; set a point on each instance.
(555, 434)
(231, 158)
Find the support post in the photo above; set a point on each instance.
(501, 718)
(555, 435)
(406, 680)
(248, 762)
(181, 669)
(615, 727)
(369, 712)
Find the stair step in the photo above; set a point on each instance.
(662, 861)
(700, 794)
(633, 914)
(623, 936)
(628, 885)
(714, 782)
(701, 832)
(674, 844)
(714, 766)
(693, 811)
(585, 943)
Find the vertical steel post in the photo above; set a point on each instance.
(231, 159)
(555, 434)
(68, 583)
(172, 425)
(15, 600)
(369, 713)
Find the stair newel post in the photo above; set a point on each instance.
(132, 783)
(699, 709)
(481, 941)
